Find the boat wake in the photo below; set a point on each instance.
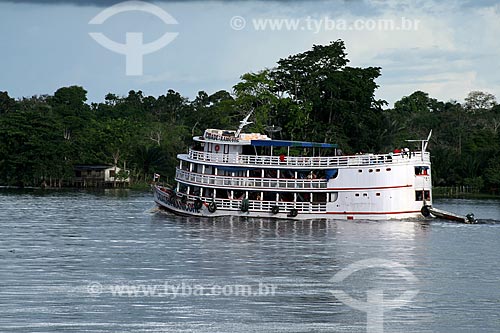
(487, 221)
(477, 221)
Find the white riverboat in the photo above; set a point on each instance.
(230, 173)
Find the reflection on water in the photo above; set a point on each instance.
(56, 247)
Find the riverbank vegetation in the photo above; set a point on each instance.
(313, 95)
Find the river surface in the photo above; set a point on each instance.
(109, 262)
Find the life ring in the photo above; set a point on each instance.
(245, 205)
(293, 213)
(198, 204)
(275, 210)
(282, 158)
(217, 148)
(212, 207)
(425, 211)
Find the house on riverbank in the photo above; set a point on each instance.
(100, 176)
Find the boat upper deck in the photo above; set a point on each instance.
(254, 139)
(305, 162)
(264, 157)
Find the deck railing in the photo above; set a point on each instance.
(311, 162)
(264, 206)
(249, 183)
(267, 206)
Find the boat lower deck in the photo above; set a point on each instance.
(194, 206)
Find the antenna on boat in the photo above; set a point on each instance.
(427, 141)
(272, 129)
(243, 123)
(424, 143)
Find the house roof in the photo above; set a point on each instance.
(92, 167)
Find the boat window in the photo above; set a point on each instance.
(371, 170)
(419, 195)
(334, 196)
(421, 170)
(357, 194)
(360, 170)
(388, 169)
(365, 194)
(377, 194)
(378, 170)
(427, 195)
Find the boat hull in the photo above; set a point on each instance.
(168, 200)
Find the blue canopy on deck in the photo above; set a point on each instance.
(284, 143)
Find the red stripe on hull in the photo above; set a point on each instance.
(373, 213)
(366, 188)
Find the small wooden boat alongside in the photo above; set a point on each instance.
(429, 211)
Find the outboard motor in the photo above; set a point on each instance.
(470, 218)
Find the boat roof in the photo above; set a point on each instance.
(256, 139)
(286, 143)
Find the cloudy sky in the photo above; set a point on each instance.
(446, 48)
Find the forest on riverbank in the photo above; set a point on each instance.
(312, 96)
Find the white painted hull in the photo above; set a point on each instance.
(163, 200)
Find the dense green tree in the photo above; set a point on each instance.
(211, 111)
(463, 141)
(256, 93)
(492, 174)
(331, 98)
(31, 149)
(6, 102)
(478, 101)
(171, 108)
